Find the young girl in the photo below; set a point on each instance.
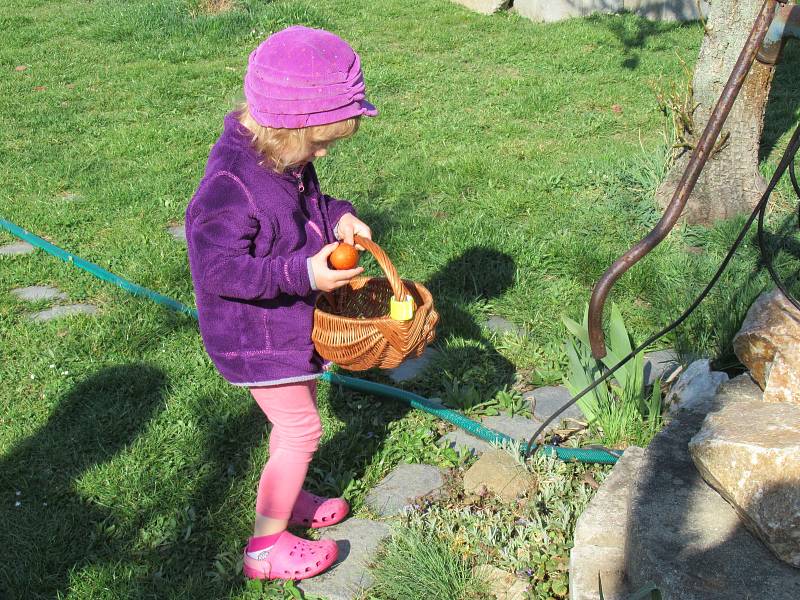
(259, 233)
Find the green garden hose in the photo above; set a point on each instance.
(584, 455)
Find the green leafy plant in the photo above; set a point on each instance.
(462, 396)
(618, 409)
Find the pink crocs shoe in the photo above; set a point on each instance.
(291, 558)
(314, 511)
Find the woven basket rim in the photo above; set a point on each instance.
(387, 318)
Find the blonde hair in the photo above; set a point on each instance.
(285, 148)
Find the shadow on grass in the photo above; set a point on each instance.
(633, 32)
(479, 274)
(55, 529)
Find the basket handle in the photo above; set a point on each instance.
(398, 288)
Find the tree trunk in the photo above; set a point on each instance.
(730, 183)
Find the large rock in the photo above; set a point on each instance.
(485, 7)
(499, 473)
(783, 384)
(684, 537)
(500, 585)
(769, 341)
(750, 453)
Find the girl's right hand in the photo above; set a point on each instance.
(328, 279)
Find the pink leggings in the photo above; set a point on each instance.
(296, 430)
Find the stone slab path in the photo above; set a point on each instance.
(178, 232)
(547, 400)
(358, 541)
(63, 311)
(402, 486)
(411, 368)
(35, 293)
(16, 248)
(499, 325)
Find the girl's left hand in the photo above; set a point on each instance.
(349, 225)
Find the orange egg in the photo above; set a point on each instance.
(344, 257)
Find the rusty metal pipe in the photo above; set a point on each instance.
(688, 180)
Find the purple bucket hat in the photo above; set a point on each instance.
(301, 77)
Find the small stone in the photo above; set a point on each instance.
(16, 248)
(696, 388)
(411, 368)
(178, 232)
(484, 7)
(616, 108)
(499, 325)
(358, 541)
(20, 68)
(750, 453)
(459, 439)
(39, 88)
(63, 311)
(501, 474)
(35, 293)
(660, 365)
(547, 400)
(498, 582)
(402, 486)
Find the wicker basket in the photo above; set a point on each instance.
(352, 326)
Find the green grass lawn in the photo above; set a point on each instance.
(510, 164)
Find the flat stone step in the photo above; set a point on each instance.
(67, 310)
(500, 325)
(411, 368)
(519, 428)
(16, 248)
(358, 541)
(35, 293)
(178, 232)
(459, 439)
(547, 400)
(402, 486)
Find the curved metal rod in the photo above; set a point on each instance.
(688, 179)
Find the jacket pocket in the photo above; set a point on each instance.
(290, 324)
(243, 330)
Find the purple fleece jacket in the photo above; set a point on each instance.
(250, 232)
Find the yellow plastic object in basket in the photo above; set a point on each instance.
(401, 310)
